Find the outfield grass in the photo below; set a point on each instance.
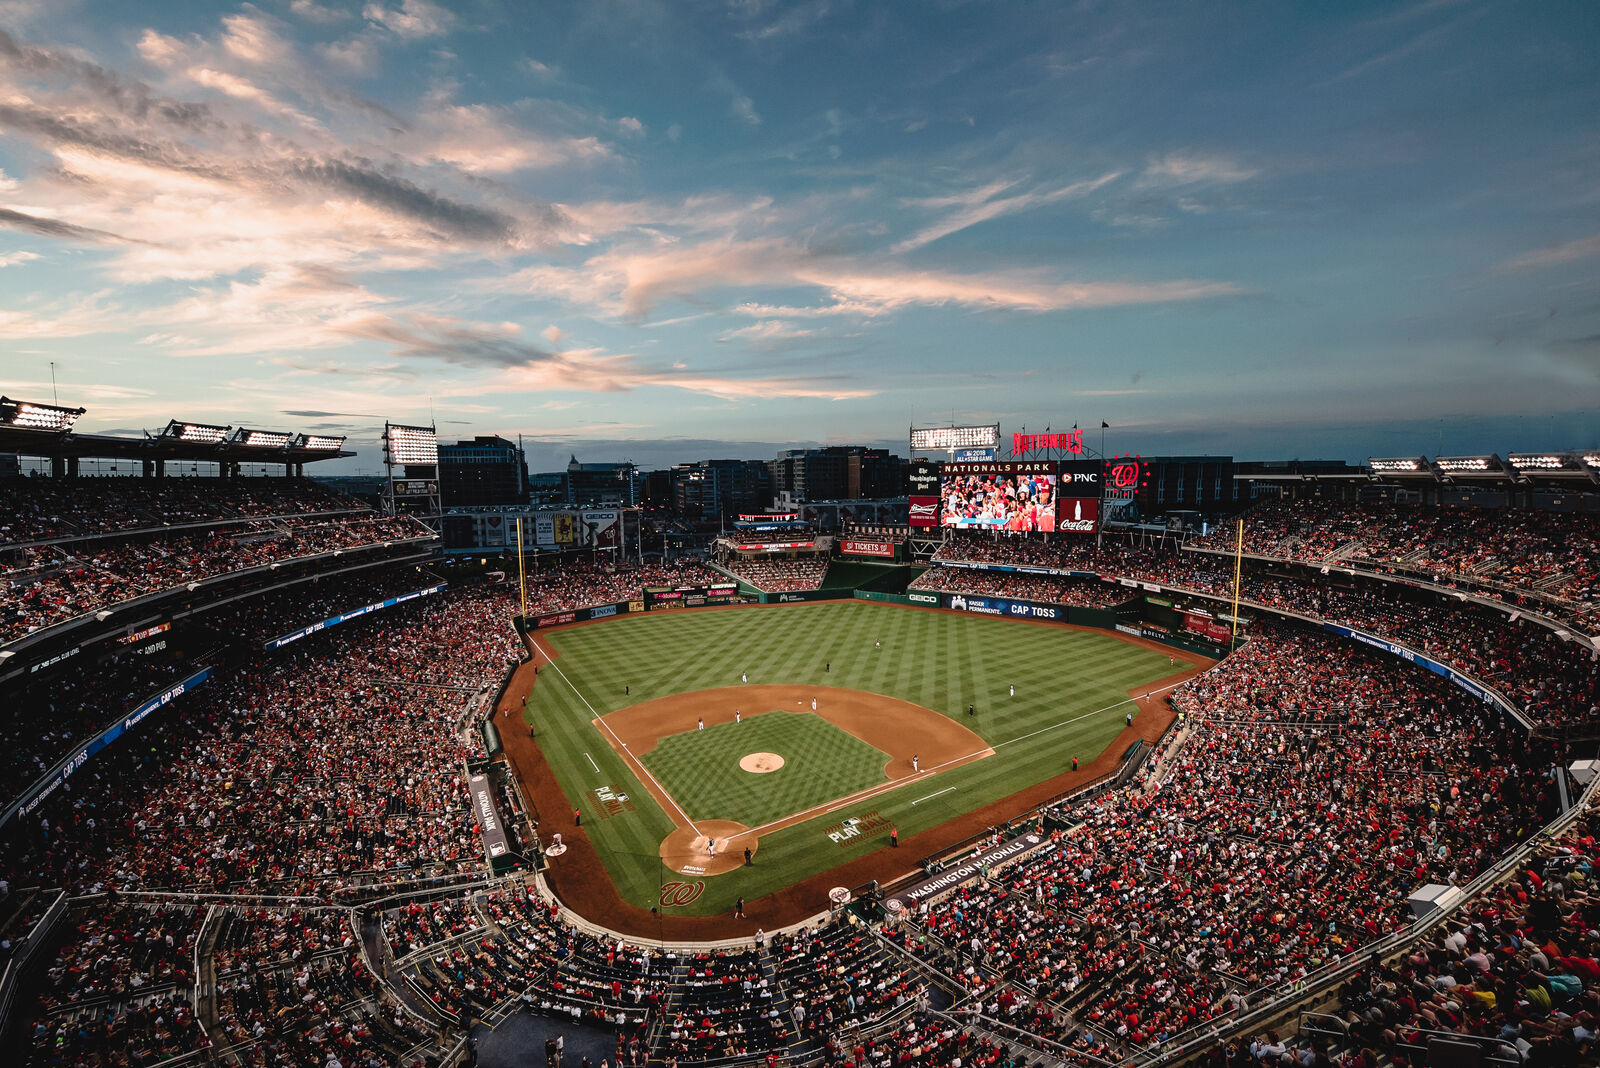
(700, 769)
(1072, 696)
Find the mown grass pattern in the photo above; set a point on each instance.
(1072, 691)
(700, 769)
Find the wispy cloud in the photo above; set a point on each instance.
(767, 333)
(413, 19)
(629, 283)
(1555, 255)
(1189, 168)
(980, 205)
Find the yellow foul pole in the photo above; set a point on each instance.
(522, 574)
(1238, 569)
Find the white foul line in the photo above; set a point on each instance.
(598, 718)
(930, 797)
(592, 764)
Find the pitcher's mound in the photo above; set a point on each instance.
(687, 850)
(761, 763)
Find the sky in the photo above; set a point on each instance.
(662, 231)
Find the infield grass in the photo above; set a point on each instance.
(1071, 699)
(700, 769)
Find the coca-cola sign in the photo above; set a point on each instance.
(924, 511)
(1078, 515)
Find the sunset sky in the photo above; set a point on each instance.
(668, 231)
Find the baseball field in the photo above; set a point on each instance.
(807, 733)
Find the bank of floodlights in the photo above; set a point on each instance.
(261, 439)
(319, 442)
(1470, 466)
(26, 415)
(1402, 465)
(411, 445)
(196, 433)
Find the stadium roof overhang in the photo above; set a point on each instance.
(68, 445)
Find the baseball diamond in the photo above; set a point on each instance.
(653, 704)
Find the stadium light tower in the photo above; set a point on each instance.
(26, 415)
(415, 449)
(195, 433)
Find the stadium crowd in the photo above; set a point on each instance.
(1321, 784)
(1552, 556)
(323, 768)
(579, 583)
(43, 585)
(36, 509)
(1086, 593)
(50, 713)
(780, 576)
(1318, 784)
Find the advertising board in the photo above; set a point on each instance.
(1004, 495)
(344, 617)
(1078, 515)
(488, 814)
(856, 547)
(999, 606)
(922, 479)
(656, 597)
(602, 529)
(924, 512)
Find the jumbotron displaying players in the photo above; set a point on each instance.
(1020, 502)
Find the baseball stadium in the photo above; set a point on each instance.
(1013, 768)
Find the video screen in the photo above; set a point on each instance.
(1023, 501)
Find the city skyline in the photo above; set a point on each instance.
(673, 232)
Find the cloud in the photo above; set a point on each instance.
(630, 282)
(11, 259)
(34, 224)
(484, 140)
(793, 21)
(312, 11)
(985, 203)
(1181, 168)
(1577, 249)
(744, 109)
(413, 20)
(767, 332)
(357, 53)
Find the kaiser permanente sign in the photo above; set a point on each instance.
(35, 795)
